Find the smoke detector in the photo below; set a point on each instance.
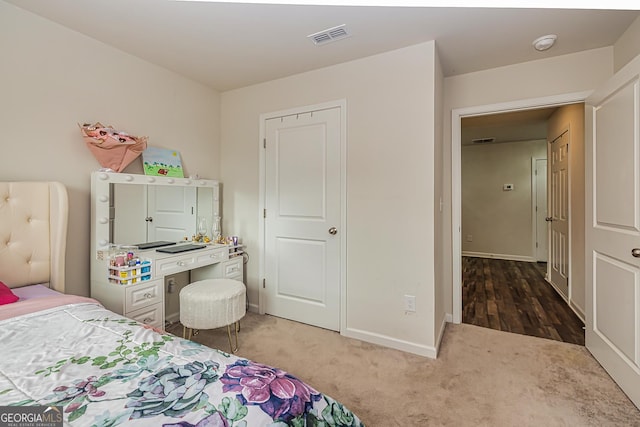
(329, 35)
(544, 42)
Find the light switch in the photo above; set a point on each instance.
(507, 187)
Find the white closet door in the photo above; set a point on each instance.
(302, 224)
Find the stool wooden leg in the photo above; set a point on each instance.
(184, 332)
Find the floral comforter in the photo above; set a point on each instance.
(106, 370)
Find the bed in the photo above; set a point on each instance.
(98, 368)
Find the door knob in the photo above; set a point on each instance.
(149, 219)
(635, 252)
(548, 219)
(333, 231)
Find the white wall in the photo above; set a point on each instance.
(390, 182)
(500, 222)
(628, 45)
(565, 74)
(52, 78)
(440, 304)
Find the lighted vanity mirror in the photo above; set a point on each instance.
(130, 209)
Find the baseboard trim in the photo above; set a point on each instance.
(254, 308)
(448, 318)
(578, 311)
(499, 256)
(383, 340)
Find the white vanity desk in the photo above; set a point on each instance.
(145, 300)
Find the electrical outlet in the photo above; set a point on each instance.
(409, 303)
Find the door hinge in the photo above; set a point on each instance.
(536, 244)
(264, 143)
(264, 281)
(264, 213)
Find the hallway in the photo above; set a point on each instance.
(513, 296)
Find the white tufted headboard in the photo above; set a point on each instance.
(33, 233)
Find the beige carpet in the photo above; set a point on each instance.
(482, 377)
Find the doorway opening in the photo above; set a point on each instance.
(504, 281)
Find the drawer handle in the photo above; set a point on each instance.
(215, 255)
(182, 263)
(148, 295)
(147, 320)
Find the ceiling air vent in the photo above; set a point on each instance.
(329, 35)
(482, 140)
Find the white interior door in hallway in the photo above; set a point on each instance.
(302, 219)
(542, 230)
(559, 214)
(613, 227)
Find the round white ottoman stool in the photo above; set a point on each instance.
(211, 304)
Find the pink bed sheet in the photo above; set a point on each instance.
(33, 305)
(34, 291)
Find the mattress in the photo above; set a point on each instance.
(103, 369)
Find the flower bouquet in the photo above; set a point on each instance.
(114, 149)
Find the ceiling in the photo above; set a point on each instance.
(231, 45)
(525, 125)
(228, 45)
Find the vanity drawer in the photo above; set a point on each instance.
(151, 315)
(175, 264)
(189, 261)
(213, 256)
(143, 295)
(232, 269)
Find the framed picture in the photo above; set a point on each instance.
(162, 162)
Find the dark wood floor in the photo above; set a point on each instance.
(513, 296)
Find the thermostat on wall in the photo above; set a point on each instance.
(507, 187)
